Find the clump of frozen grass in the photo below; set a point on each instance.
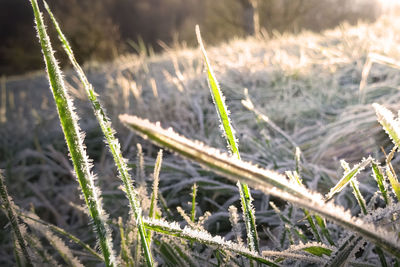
(342, 253)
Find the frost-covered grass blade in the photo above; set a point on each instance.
(388, 122)
(380, 180)
(113, 143)
(229, 133)
(348, 175)
(267, 181)
(74, 139)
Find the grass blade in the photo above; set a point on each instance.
(378, 175)
(219, 101)
(8, 205)
(194, 194)
(347, 176)
(74, 139)
(112, 142)
(356, 189)
(393, 182)
(389, 124)
(268, 181)
(223, 113)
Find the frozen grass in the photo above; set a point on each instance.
(304, 92)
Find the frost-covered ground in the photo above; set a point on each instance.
(308, 85)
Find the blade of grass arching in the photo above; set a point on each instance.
(380, 180)
(74, 139)
(154, 194)
(270, 182)
(223, 113)
(8, 206)
(114, 146)
(64, 233)
(347, 176)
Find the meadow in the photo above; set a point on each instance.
(314, 183)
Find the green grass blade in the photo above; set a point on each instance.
(112, 142)
(270, 182)
(8, 206)
(74, 139)
(393, 182)
(194, 194)
(347, 176)
(359, 197)
(219, 101)
(223, 113)
(389, 124)
(378, 175)
(356, 190)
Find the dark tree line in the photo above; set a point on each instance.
(103, 29)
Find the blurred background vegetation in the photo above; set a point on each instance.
(103, 29)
